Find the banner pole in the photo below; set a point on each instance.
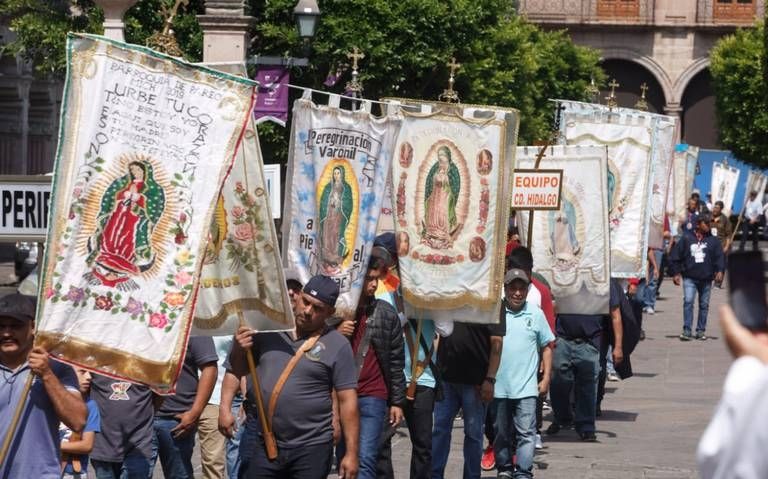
(539, 156)
(269, 439)
(16, 417)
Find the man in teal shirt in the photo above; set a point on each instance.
(527, 333)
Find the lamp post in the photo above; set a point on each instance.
(307, 16)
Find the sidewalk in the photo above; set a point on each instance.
(651, 423)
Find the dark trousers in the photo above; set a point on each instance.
(418, 417)
(307, 462)
(747, 229)
(604, 345)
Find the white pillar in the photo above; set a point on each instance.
(675, 110)
(114, 10)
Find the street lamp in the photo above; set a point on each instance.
(307, 15)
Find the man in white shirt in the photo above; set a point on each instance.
(751, 220)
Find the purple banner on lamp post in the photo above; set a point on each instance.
(272, 99)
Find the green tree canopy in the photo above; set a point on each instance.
(506, 61)
(741, 93)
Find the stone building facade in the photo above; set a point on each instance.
(664, 43)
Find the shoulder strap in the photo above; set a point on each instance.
(308, 345)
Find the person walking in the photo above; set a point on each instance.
(695, 262)
(720, 226)
(751, 221)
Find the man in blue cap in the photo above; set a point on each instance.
(317, 359)
(53, 397)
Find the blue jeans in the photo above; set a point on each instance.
(134, 466)
(233, 445)
(175, 453)
(515, 421)
(648, 293)
(466, 397)
(372, 413)
(690, 288)
(575, 366)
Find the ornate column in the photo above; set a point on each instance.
(675, 110)
(114, 10)
(225, 31)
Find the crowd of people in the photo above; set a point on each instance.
(330, 394)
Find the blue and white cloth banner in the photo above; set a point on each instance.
(337, 171)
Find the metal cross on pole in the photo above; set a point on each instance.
(641, 103)
(355, 87)
(450, 94)
(611, 99)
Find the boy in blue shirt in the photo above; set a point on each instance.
(75, 447)
(516, 389)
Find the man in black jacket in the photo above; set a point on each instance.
(381, 381)
(697, 260)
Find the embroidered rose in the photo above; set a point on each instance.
(182, 256)
(183, 278)
(239, 187)
(134, 307)
(77, 192)
(174, 299)
(238, 212)
(157, 320)
(243, 232)
(49, 293)
(460, 258)
(250, 200)
(179, 238)
(104, 302)
(182, 217)
(75, 294)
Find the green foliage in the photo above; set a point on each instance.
(506, 61)
(741, 90)
(41, 27)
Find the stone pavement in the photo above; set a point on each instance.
(651, 422)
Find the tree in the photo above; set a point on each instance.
(741, 90)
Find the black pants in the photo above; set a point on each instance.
(748, 228)
(603, 376)
(418, 417)
(308, 462)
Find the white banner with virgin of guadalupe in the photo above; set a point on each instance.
(628, 134)
(452, 193)
(664, 131)
(725, 179)
(570, 246)
(756, 181)
(338, 166)
(683, 173)
(145, 144)
(242, 278)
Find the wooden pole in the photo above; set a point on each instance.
(269, 438)
(15, 420)
(542, 151)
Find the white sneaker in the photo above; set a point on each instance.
(613, 377)
(650, 310)
(539, 444)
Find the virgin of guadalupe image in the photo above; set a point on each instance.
(611, 188)
(562, 234)
(121, 246)
(441, 192)
(335, 212)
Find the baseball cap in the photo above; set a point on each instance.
(17, 306)
(516, 273)
(323, 288)
(388, 242)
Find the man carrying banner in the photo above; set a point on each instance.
(377, 342)
(53, 397)
(752, 212)
(297, 372)
(721, 226)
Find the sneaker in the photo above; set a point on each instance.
(642, 335)
(488, 461)
(588, 436)
(686, 336)
(701, 336)
(505, 475)
(545, 406)
(539, 444)
(613, 377)
(554, 428)
(650, 310)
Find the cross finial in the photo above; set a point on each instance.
(612, 97)
(449, 94)
(355, 56)
(641, 103)
(453, 66)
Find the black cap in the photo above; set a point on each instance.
(323, 288)
(388, 242)
(17, 306)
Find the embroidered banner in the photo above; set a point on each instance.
(725, 179)
(452, 190)
(683, 173)
(339, 163)
(664, 131)
(628, 134)
(756, 181)
(570, 246)
(242, 276)
(146, 141)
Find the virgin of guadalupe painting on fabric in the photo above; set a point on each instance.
(131, 207)
(337, 206)
(451, 182)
